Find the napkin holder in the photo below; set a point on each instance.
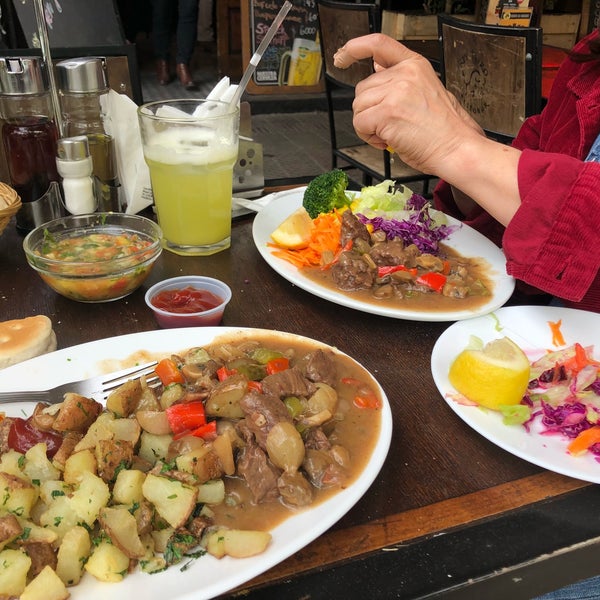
(248, 171)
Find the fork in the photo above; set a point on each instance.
(98, 387)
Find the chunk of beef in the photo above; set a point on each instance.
(197, 526)
(351, 272)
(260, 475)
(390, 253)
(262, 412)
(353, 228)
(295, 490)
(322, 470)
(290, 382)
(316, 439)
(319, 366)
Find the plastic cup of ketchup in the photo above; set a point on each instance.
(188, 301)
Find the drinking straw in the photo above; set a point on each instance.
(43, 33)
(256, 57)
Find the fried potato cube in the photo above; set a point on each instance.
(100, 429)
(211, 492)
(173, 500)
(37, 466)
(76, 413)
(11, 463)
(154, 447)
(36, 533)
(47, 585)
(124, 400)
(77, 464)
(18, 496)
(72, 555)
(121, 527)
(107, 563)
(60, 516)
(10, 529)
(91, 495)
(128, 487)
(14, 566)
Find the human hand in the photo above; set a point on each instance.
(404, 105)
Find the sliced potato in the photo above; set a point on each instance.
(14, 566)
(18, 496)
(121, 527)
(77, 463)
(47, 585)
(128, 487)
(107, 563)
(72, 555)
(173, 500)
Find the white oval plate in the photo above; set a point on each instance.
(465, 240)
(206, 577)
(528, 327)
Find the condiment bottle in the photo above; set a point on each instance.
(29, 133)
(75, 166)
(83, 87)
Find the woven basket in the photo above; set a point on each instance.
(10, 202)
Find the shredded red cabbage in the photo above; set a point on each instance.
(568, 419)
(419, 229)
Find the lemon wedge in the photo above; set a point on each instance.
(295, 231)
(495, 375)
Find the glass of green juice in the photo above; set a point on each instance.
(190, 147)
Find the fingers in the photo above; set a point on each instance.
(384, 50)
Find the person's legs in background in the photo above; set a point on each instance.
(187, 29)
(162, 11)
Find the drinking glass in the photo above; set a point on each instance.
(190, 147)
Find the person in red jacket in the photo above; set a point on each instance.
(539, 199)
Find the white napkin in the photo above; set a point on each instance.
(133, 171)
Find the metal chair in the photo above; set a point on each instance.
(338, 23)
(494, 71)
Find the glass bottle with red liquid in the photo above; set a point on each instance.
(29, 134)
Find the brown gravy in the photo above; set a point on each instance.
(358, 432)
(433, 302)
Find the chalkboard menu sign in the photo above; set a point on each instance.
(292, 62)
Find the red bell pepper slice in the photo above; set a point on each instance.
(185, 417)
(433, 280)
(347, 246)
(208, 431)
(168, 372)
(387, 270)
(276, 365)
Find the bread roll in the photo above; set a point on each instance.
(21, 339)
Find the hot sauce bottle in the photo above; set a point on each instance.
(29, 134)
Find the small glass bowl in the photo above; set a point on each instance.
(105, 276)
(212, 316)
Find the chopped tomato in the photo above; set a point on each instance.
(276, 365)
(433, 280)
(584, 440)
(364, 397)
(255, 386)
(223, 373)
(168, 372)
(187, 416)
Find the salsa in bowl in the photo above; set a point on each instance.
(94, 258)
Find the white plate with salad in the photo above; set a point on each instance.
(531, 328)
(464, 239)
(206, 576)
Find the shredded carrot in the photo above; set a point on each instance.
(325, 237)
(557, 336)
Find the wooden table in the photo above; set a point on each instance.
(495, 511)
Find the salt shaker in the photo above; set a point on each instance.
(75, 165)
(83, 88)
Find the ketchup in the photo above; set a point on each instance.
(185, 301)
(23, 435)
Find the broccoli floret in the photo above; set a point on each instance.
(326, 192)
